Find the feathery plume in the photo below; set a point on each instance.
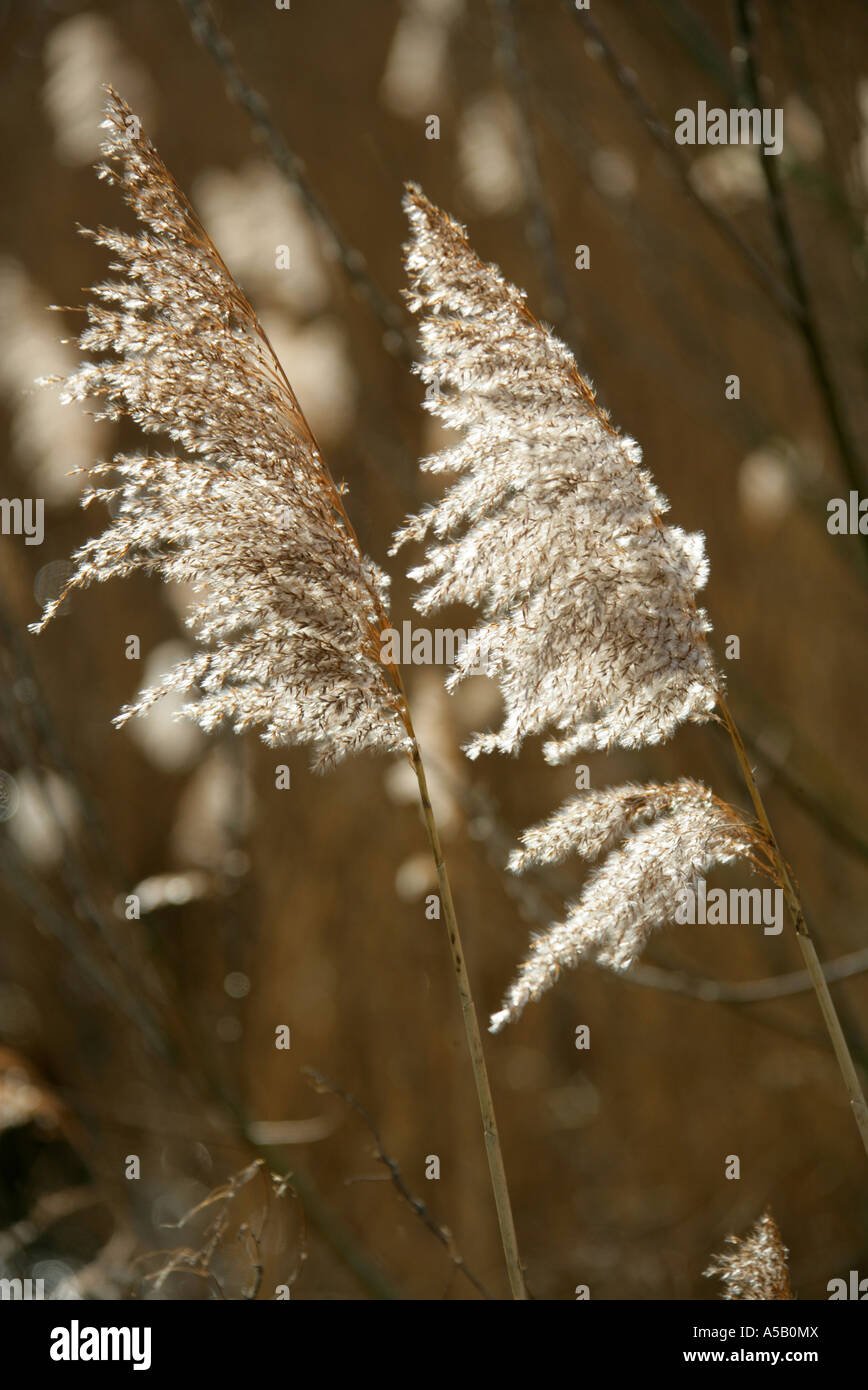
(244, 510)
(589, 602)
(636, 888)
(291, 612)
(553, 529)
(757, 1266)
(588, 824)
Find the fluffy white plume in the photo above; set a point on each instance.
(554, 530)
(246, 511)
(590, 621)
(756, 1266)
(637, 886)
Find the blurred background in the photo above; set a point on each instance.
(139, 1072)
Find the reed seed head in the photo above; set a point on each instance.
(553, 529)
(756, 1267)
(243, 509)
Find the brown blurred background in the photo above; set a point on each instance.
(305, 907)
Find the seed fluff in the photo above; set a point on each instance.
(660, 840)
(756, 1267)
(553, 529)
(288, 611)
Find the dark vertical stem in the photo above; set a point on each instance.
(540, 222)
(806, 319)
(396, 338)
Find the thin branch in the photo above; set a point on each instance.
(793, 301)
(110, 978)
(747, 991)
(322, 1084)
(198, 1262)
(117, 994)
(35, 740)
(806, 320)
(662, 136)
(329, 1225)
(539, 217)
(32, 722)
(697, 37)
(397, 337)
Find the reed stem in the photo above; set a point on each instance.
(791, 896)
(493, 1149)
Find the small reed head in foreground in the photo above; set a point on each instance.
(756, 1267)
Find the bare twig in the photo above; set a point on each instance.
(223, 1194)
(747, 991)
(198, 1261)
(698, 38)
(793, 301)
(806, 318)
(321, 1083)
(111, 981)
(662, 136)
(397, 337)
(539, 215)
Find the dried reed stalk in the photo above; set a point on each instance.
(290, 614)
(590, 621)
